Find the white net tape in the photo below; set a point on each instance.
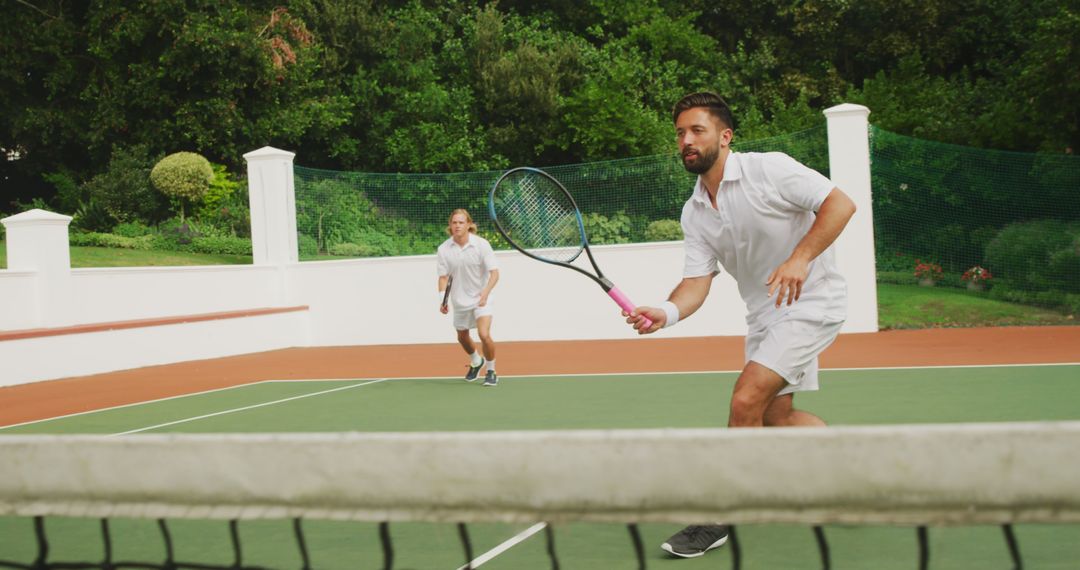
(926, 474)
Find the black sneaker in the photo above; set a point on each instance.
(693, 541)
(491, 379)
(474, 371)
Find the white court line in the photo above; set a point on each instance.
(251, 407)
(588, 374)
(133, 404)
(166, 398)
(510, 543)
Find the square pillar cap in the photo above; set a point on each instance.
(36, 216)
(845, 109)
(269, 153)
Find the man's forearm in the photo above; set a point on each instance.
(832, 217)
(690, 294)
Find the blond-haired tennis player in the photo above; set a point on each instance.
(469, 259)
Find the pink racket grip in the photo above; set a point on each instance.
(626, 305)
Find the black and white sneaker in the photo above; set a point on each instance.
(474, 371)
(491, 379)
(693, 541)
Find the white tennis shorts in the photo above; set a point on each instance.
(465, 319)
(790, 347)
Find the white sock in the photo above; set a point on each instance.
(491, 365)
(475, 359)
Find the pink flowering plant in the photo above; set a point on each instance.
(977, 275)
(927, 270)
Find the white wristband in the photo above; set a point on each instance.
(672, 312)
(441, 295)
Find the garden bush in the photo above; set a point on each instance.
(602, 229)
(221, 245)
(1041, 255)
(225, 205)
(132, 229)
(122, 193)
(1069, 302)
(664, 230)
(307, 245)
(96, 239)
(333, 211)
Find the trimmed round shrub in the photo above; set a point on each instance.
(664, 230)
(184, 176)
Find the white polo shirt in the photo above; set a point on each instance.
(469, 266)
(765, 206)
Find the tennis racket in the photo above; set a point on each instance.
(446, 293)
(539, 218)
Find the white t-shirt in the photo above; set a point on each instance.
(469, 266)
(765, 206)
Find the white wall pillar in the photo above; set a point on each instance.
(38, 241)
(273, 206)
(849, 168)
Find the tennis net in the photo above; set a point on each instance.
(293, 485)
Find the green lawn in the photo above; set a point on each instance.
(915, 307)
(115, 257)
(899, 306)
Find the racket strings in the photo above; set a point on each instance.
(539, 218)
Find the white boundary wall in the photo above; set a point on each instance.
(360, 301)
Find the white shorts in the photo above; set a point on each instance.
(465, 319)
(790, 348)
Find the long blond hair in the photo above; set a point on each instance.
(468, 219)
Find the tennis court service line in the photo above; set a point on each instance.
(133, 404)
(507, 545)
(251, 407)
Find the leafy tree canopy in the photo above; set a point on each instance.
(422, 86)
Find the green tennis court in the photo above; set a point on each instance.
(848, 397)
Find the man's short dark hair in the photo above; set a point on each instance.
(713, 103)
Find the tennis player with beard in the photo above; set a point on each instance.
(769, 221)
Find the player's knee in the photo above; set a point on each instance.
(486, 338)
(745, 411)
